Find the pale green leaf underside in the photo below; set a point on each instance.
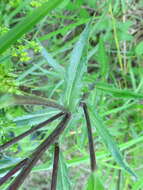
(76, 69)
(13, 99)
(63, 179)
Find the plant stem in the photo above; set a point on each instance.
(90, 138)
(55, 167)
(13, 171)
(38, 153)
(16, 139)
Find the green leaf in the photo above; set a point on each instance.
(118, 93)
(26, 24)
(52, 62)
(139, 48)
(109, 141)
(138, 185)
(94, 183)
(63, 30)
(6, 100)
(6, 164)
(76, 69)
(103, 58)
(13, 99)
(64, 4)
(35, 117)
(63, 179)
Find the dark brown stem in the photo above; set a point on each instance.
(38, 153)
(16, 139)
(13, 171)
(90, 138)
(55, 167)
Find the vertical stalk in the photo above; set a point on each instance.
(55, 167)
(90, 138)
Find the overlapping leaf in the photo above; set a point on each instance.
(76, 69)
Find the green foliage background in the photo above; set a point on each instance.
(70, 51)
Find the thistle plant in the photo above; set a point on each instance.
(71, 107)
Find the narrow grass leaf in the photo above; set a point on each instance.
(64, 30)
(26, 24)
(109, 141)
(76, 69)
(119, 93)
(94, 183)
(63, 179)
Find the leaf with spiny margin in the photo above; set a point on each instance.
(109, 141)
(76, 69)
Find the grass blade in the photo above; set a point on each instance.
(26, 24)
(76, 69)
(118, 93)
(109, 141)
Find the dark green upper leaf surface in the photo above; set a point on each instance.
(109, 141)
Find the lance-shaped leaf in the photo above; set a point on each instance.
(52, 62)
(63, 179)
(109, 141)
(76, 69)
(13, 99)
(26, 24)
(7, 163)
